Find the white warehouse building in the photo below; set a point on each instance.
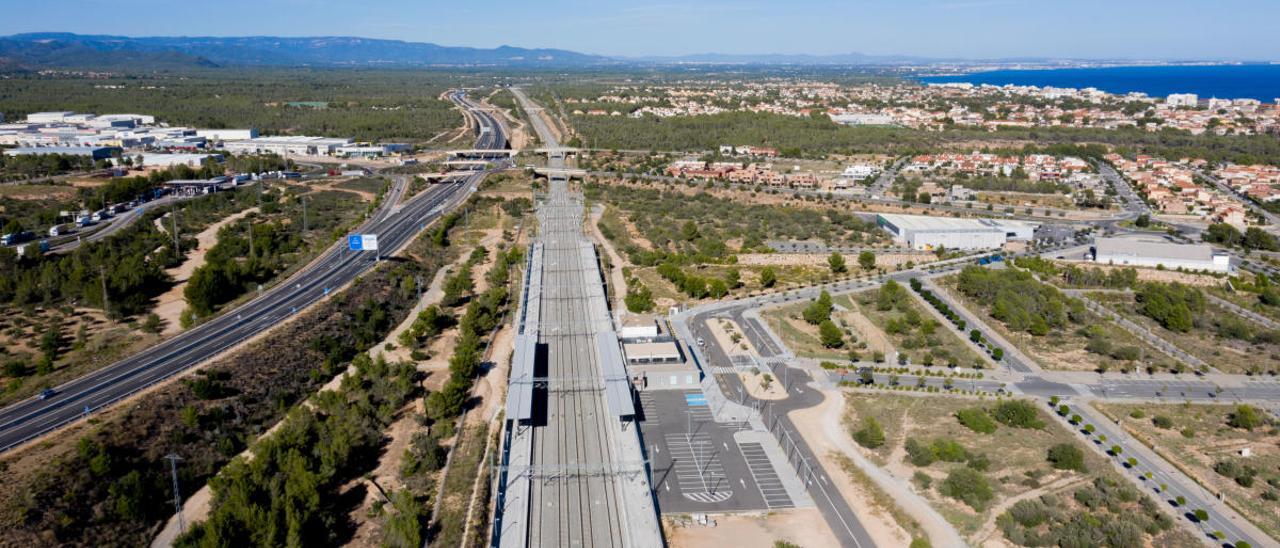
(1155, 254)
(927, 233)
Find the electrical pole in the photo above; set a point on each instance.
(173, 459)
(106, 302)
(304, 215)
(250, 228)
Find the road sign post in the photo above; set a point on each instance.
(364, 242)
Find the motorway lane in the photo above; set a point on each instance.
(30, 418)
(33, 417)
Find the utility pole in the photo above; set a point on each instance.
(106, 301)
(250, 228)
(173, 459)
(304, 215)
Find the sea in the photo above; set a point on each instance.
(1261, 82)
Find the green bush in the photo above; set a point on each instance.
(1067, 456)
(871, 435)
(919, 454)
(1246, 417)
(976, 419)
(968, 486)
(1018, 414)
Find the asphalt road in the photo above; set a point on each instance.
(395, 225)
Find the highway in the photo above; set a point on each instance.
(395, 224)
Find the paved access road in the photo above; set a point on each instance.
(31, 418)
(839, 516)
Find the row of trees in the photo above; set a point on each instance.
(482, 315)
(1253, 238)
(699, 287)
(29, 166)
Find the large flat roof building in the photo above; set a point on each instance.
(921, 232)
(97, 153)
(302, 145)
(1155, 254)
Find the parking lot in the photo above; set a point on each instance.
(698, 466)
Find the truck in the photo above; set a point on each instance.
(57, 230)
(16, 237)
(42, 247)
(84, 220)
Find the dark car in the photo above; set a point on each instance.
(47, 393)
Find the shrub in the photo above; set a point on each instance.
(922, 480)
(1066, 456)
(1161, 421)
(830, 335)
(871, 435)
(968, 486)
(978, 461)
(1018, 414)
(949, 450)
(976, 419)
(1246, 417)
(918, 453)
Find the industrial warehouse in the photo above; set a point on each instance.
(1159, 254)
(927, 233)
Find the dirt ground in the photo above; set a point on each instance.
(169, 304)
(616, 262)
(871, 333)
(802, 527)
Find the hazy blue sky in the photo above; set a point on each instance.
(938, 28)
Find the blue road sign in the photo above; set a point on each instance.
(355, 242)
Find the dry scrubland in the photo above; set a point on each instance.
(1201, 441)
(999, 477)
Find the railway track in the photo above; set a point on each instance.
(571, 505)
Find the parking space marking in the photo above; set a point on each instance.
(697, 468)
(765, 477)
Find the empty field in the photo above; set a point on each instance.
(991, 477)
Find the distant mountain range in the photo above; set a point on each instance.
(792, 59)
(78, 51)
(66, 50)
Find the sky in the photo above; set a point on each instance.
(1129, 29)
